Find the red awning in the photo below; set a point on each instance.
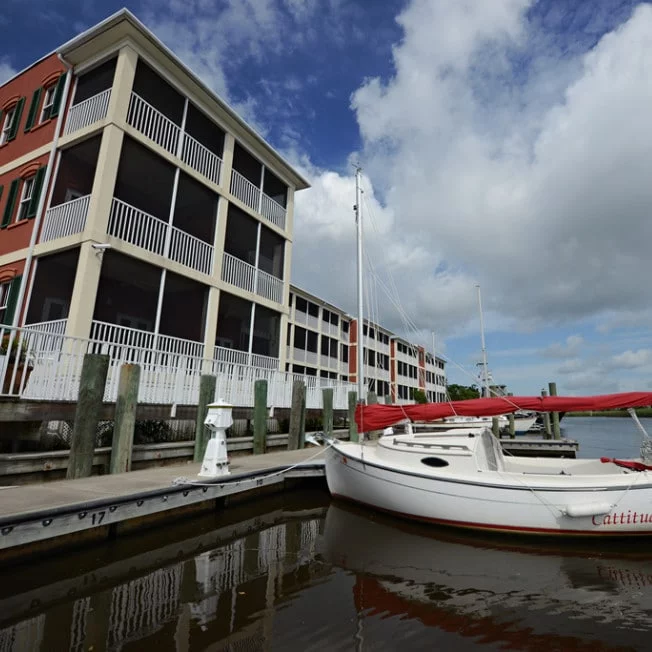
(375, 417)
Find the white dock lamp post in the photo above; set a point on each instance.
(218, 419)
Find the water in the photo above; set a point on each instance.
(295, 572)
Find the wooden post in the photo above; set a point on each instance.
(327, 411)
(495, 426)
(512, 424)
(87, 415)
(372, 399)
(556, 432)
(125, 418)
(547, 433)
(207, 385)
(260, 417)
(297, 430)
(353, 426)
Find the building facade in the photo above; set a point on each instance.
(322, 341)
(138, 210)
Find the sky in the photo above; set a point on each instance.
(503, 144)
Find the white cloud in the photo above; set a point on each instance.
(571, 347)
(7, 71)
(632, 359)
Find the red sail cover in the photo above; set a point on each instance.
(376, 417)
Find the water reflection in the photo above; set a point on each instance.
(294, 572)
(221, 585)
(527, 594)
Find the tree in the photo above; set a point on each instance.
(462, 392)
(418, 395)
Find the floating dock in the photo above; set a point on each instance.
(44, 516)
(539, 447)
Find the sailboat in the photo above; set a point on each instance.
(461, 478)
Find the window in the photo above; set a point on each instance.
(48, 103)
(25, 199)
(4, 296)
(8, 125)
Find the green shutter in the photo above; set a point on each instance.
(36, 191)
(12, 300)
(33, 108)
(58, 94)
(1, 189)
(11, 201)
(19, 112)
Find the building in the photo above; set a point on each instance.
(137, 207)
(322, 341)
(138, 210)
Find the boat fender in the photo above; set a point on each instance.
(588, 509)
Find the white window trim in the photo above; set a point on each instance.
(23, 204)
(48, 103)
(7, 125)
(5, 288)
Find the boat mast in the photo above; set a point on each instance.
(485, 376)
(360, 348)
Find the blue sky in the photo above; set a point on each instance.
(505, 143)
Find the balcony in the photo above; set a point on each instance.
(245, 276)
(150, 122)
(65, 219)
(143, 230)
(88, 112)
(253, 197)
(134, 343)
(234, 356)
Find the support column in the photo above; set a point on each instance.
(123, 82)
(84, 291)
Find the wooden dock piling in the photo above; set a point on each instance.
(556, 432)
(260, 417)
(125, 418)
(297, 428)
(87, 415)
(207, 384)
(327, 411)
(353, 426)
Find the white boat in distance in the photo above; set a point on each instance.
(522, 424)
(462, 478)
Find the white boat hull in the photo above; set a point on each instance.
(489, 501)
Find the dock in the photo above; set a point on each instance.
(539, 447)
(46, 516)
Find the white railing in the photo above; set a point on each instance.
(269, 286)
(237, 272)
(153, 124)
(46, 365)
(247, 192)
(235, 357)
(191, 251)
(200, 158)
(65, 219)
(88, 112)
(273, 211)
(137, 227)
(245, 276)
